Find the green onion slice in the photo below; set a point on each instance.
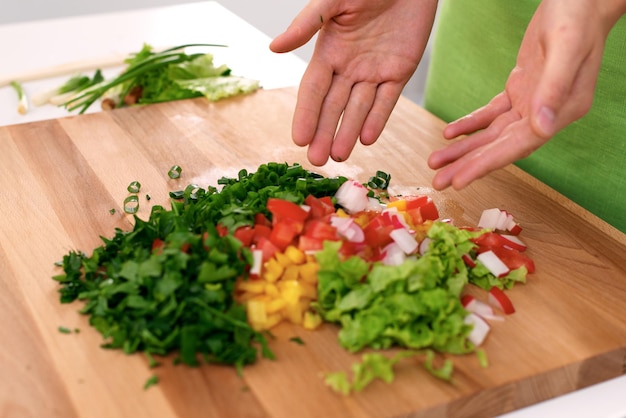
(174, 172)
(134, 187)
(131, 204)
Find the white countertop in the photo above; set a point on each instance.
(48, 44)
(30, 47)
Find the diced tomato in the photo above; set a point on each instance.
(377, 231)
(488, 241)
(317, 228)
(261, 231)
(415, 216)
(426, 206)
(320, 207)
(349, 249)
(284, 232)
(307, 243)
(157, 246)
(267, 248)
(222, 231)
(514, 259)
(284, 209)
(261, 219)
(245, 234)
(378, 236)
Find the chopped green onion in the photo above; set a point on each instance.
(22, 104)
(65, 330)
(178, 194)
(131, 204)
(134, 187)
(148, 197)
(297, 340)
(153, 380)
(174, 172)
(112, 211)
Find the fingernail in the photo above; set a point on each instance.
(545, 121)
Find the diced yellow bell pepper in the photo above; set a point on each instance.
(399, 204)
(308, 290)
(252, 286)
(295, 255)
(311, 320)
(272, 270)
(275, 305)
(272, 320)
(257, 316)
(294, 313)
(283, 259)
(291, 291)
(291, 273)
(271, 290)
(308, 272)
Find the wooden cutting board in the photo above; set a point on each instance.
(61, 177)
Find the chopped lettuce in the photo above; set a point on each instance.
(414, 305)
(217, 88)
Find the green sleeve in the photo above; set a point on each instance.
(475, 48)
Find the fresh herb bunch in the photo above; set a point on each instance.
(168, 284)
(172, 74)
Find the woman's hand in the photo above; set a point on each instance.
(366, 52)
(551, 86)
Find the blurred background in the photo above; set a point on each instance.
(269, 16)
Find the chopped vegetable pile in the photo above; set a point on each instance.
(151, 77)
(209, 277)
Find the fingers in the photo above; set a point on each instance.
(563, 60)
(453, 152)
(359, 105)
(387, 95)
(330, 113)
(480, 118)
(314, 86)
(303, 27)
(516, 142)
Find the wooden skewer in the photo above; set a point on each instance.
(64, 69)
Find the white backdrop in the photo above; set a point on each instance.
(269, 16)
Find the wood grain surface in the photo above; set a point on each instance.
(61, 177)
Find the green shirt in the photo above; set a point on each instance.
(475, 48)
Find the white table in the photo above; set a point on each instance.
(33, 46)
(43, 45)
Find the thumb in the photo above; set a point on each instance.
(562, 65)
(306, 24)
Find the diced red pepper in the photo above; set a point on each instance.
(284, 232)
(222, 231)
(318, 228)
(245, 234)
(320, 207)
(261, 219)
(307, 243)
(261, 231)
(426, 206)
(267, 248)
(284, 209)
(157, 246)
